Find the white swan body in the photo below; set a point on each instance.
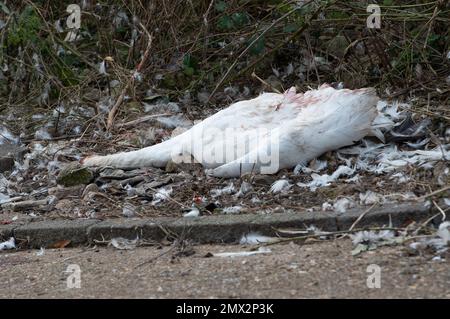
(264, 134)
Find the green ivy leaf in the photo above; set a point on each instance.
(189, 71)
(225, 23)
(290, 27)
(221, 6)
(240, 18)
(258, 46)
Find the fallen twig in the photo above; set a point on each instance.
(115, 108)
(421, 198)
(361, 217)
(32, 203)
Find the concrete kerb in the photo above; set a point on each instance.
(209, 229)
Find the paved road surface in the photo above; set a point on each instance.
(325, 270)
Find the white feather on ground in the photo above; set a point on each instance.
(124, 244)
(232, 210)
(281, 185)
(161, 195)
(261, 250)
(194, 212)
(229, 189)
(255, 239)
(9, 244)
(325, 179)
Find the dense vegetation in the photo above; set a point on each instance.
(204, 46)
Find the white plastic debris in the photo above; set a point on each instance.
(124, 244)
(9, 244)
(255, 239)
(194, 212)
(281, 185)
(261, 250)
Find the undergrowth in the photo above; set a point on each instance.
(207, 45)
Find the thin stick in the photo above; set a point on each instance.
(433, 193)
(444, 216)
(115, 108)
(265, 83)
(361, 217)
(425, 223)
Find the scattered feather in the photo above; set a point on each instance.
(161, 195)
(102, 68)
(194, 212)
(325, 179)
(369, 198)
(447, 201)
(281, 185)
(124, 244)
(341, 205)
(255, 239)
(261, 250)
(232, 210)
(129, 210)
(229, 189)
(9, 244)
(41, 252)
(244, 189)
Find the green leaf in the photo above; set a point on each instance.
(258, 46)
(221, 6)
(189, 71)
(190, 61)
(388, 2)
(225, 23)
(4, 8)
(240, 18)
(290, 28)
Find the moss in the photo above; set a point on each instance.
(74, 174)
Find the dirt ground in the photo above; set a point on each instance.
(316, 270)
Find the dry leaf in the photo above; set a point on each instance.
(60, 244)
